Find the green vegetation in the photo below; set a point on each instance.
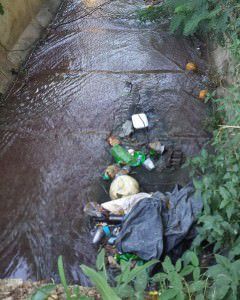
(220, 19)
(216, 172)
(1, 9)
(219, 183)
(184, 280)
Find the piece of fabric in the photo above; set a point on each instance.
(124, 204)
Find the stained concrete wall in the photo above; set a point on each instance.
(17, 15)
(21, 26)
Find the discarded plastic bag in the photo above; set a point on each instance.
(142, 230)
(160, 223)
(93, 209)
(125, 204)
(123, 185)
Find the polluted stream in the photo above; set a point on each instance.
(96, 66)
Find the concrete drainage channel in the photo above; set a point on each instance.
(96, 67)
(21, 26)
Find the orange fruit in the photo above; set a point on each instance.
(191, 67)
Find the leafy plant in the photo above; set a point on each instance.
(219, 18)
(225, 277)
(43, 292)
(130, 283)
(219, 183)
(182, 281)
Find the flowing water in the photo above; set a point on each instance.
(96, 66)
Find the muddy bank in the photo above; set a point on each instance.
(95, 68)
(17, 289)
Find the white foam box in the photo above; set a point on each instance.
(139, 121)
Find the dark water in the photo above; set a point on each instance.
(96, 66)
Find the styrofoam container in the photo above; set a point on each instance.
(148, 164)
(139, 121)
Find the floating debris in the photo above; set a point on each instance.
(124, 185)
(157, 147)
(139, 121)
(148, 164)
(203, 94)
(191, 67)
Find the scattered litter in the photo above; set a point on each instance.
(126, 257)
(203, 94)
(93, 209)
(124, 185)
(191, 67)
(115, 170)
(165, 221)
(112, 241)
(127, 129)
(125, 170)
(121, 155)
(113, 141)
(157, 147)
(138, 159)
(131, 158)
(125, 204)
(111, 172)
(148, 164)
(142, 226)
(139, 121)
(112, 261)
(131, 151)
(99, 234)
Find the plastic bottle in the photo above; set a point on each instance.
(102, 231)
(139, 158)
(121, 155)
(126, 257)
(99, 234)
(115, 218)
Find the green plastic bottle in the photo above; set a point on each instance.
(122, 156)
(139, 159)
(126, 257)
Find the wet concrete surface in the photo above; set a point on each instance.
(96, 66)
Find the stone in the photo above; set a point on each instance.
(127, 129)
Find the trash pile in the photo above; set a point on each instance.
(137, 225)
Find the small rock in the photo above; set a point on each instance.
(157, 146)
(127, 129)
